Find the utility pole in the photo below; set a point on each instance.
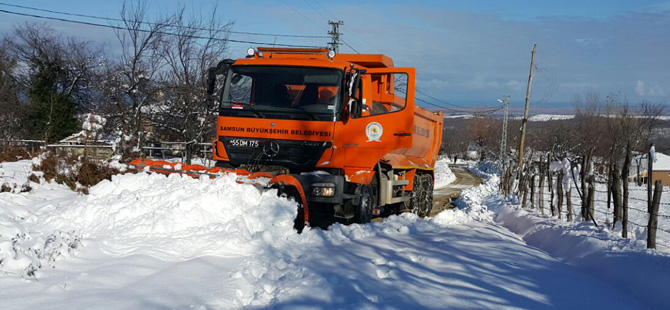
(503, 139)
(524, 122)
(335, 35)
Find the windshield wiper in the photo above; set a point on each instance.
(250, 108)
(312, 116)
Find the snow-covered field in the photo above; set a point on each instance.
(147, 241)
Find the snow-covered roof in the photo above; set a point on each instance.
(75, 137)
(662, 163)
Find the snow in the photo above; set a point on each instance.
(443, 175)
(600, 252)
(149, 241)
(549, 117)
(93, 123)
(652, 154)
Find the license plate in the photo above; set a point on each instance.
(243, 143)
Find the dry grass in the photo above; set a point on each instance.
(13, 154)
(68, 170)
(34, 178)
(91, 173)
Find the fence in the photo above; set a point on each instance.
(601, 211)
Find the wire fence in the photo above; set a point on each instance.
(576, 196)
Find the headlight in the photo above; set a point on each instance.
(323, 189)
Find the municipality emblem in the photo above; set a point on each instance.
(374, 132)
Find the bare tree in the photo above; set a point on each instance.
(197, 45)
(10, 118)
(132, 87)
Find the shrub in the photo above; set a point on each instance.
(13, 154)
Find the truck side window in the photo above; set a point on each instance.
(241, 90)
(389, 93)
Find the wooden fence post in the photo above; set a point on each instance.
(653, 216)
(624, 175)
(559, 189)
(568, 203)
(609, 186)
(650, 169)
(540, 200)
(582, 181)
(532, 191)
(591, 204)
(616, 195)
(550, 179)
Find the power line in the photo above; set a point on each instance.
(303, 16)
(351, 47)
(442, 101)
(150, 23)
(159, 32)
(317, 10)
(476, 112)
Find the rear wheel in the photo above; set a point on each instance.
(426, 195)
(415, 195)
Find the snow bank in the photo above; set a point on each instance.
(176, 217)
(173, 218)
(625, 263)
(443, 175)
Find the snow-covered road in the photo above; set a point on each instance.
(156, 242)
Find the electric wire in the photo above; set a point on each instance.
(467, 109)
(150, 23)
(147, 31)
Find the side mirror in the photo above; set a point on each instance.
(221, 68)
(211, 81)
(355, 106)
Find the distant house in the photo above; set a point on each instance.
(660, 170)
(77, 143)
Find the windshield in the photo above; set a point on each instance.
(282, 92)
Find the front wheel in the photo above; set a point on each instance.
(369, 202)
(363, 212)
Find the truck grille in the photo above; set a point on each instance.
(295, 155)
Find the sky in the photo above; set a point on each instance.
(467, 53)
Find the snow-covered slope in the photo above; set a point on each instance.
(155, 242)
(598, 251)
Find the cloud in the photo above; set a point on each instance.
(641, 89)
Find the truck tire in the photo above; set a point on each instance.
(363, 212)
(427, 194)
(415, 196)
(369, 201)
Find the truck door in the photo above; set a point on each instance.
(385, 120)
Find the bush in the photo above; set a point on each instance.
(49, 166)
(67, 170)
(91, 173)
(13, 154)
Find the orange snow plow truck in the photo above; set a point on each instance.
(341, 134)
